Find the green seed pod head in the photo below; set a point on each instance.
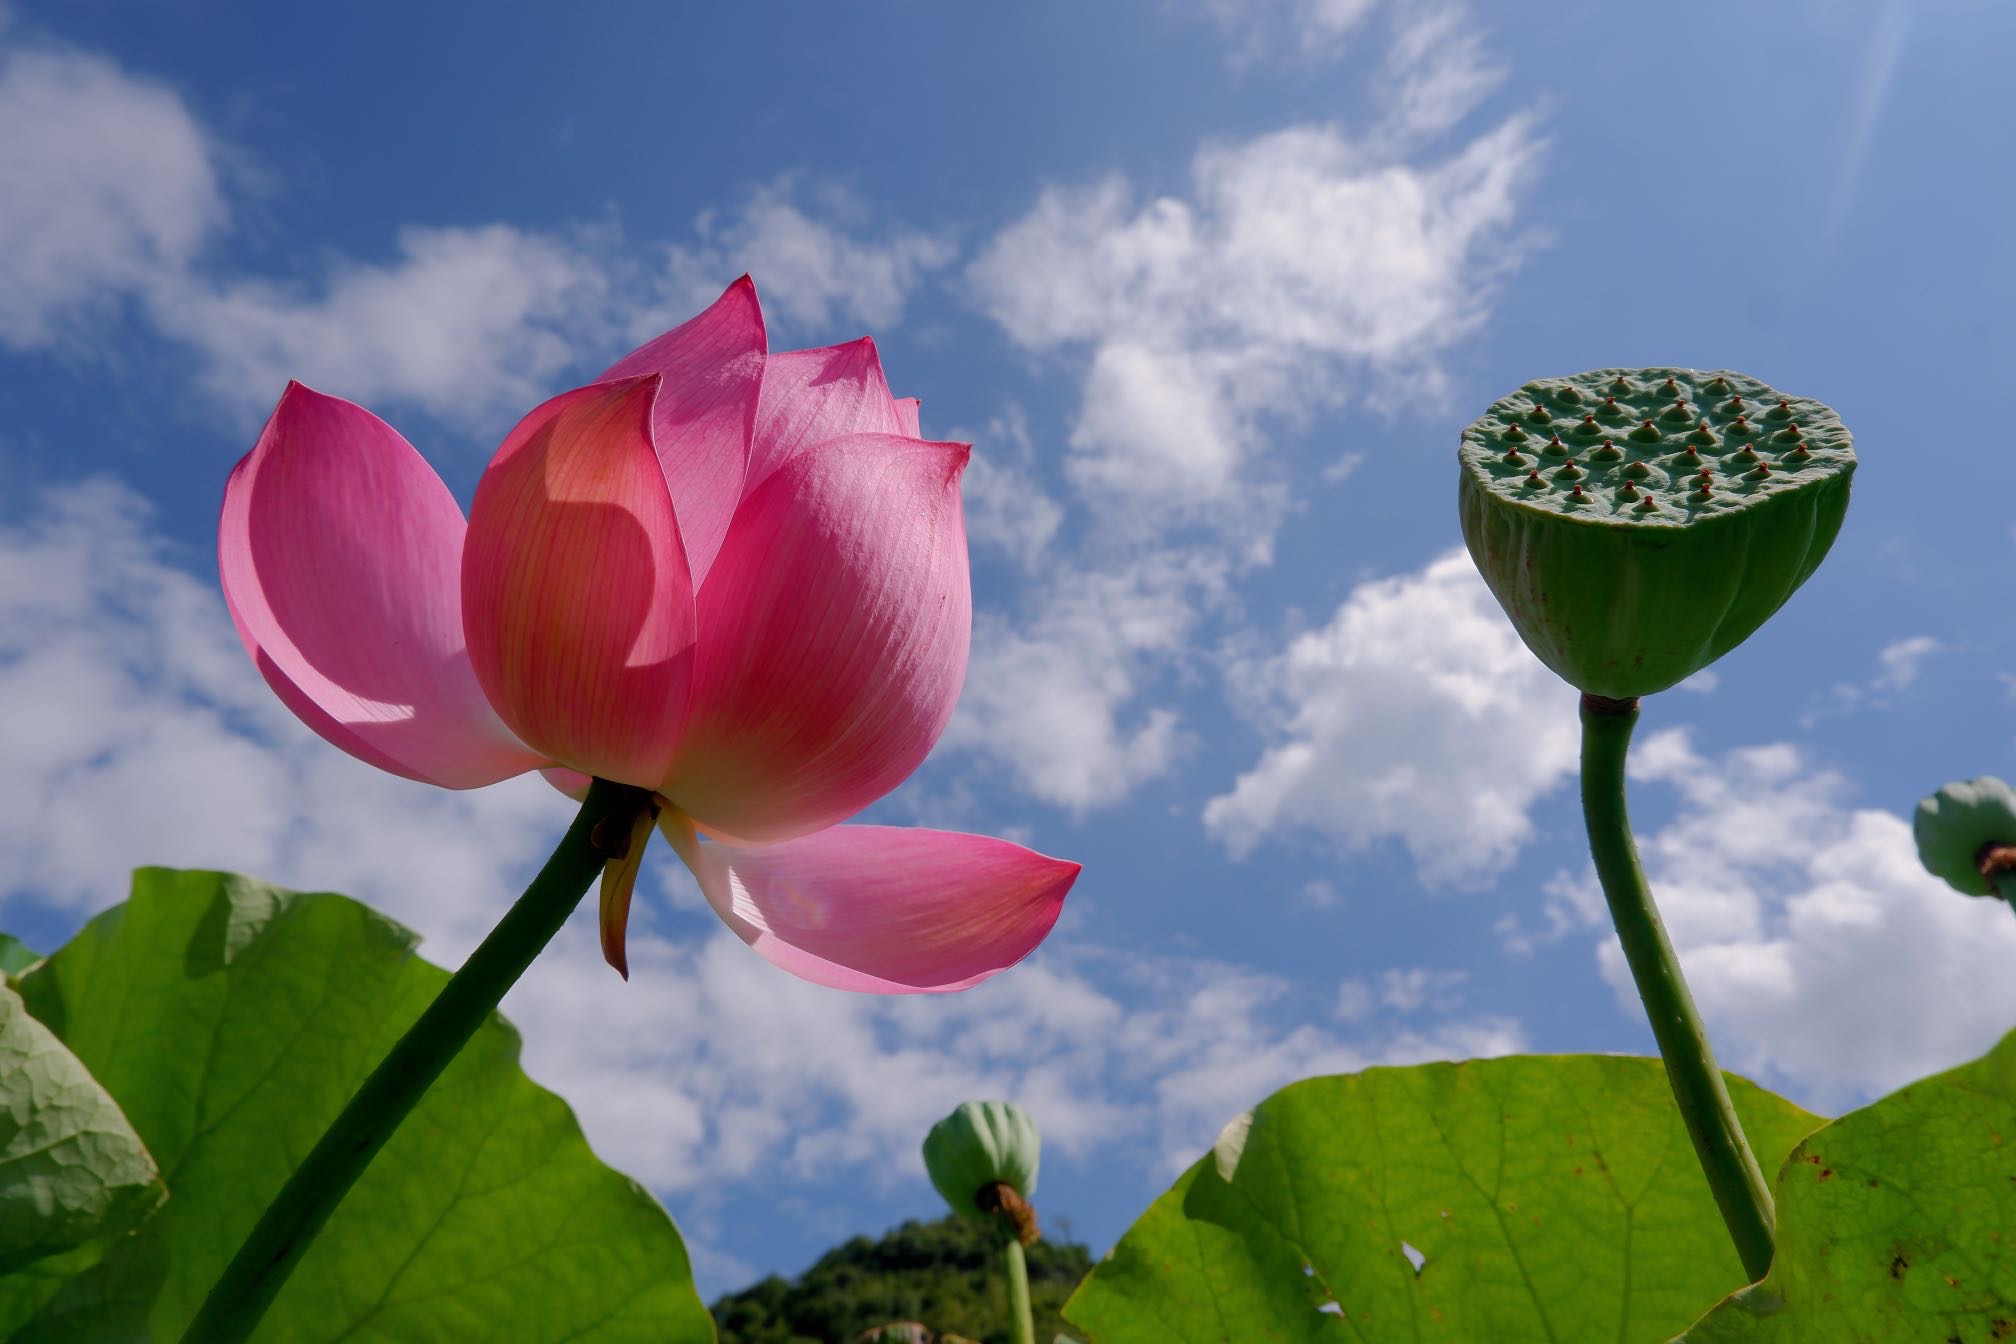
(978, 1144)
(1955, 824)
(1673, 511)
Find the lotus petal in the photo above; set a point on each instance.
(575, 589)
(340, 552)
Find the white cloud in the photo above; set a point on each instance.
(114, 190)
(1300, 270)
(153, 741)
(1137, 1057)
(112, 187)
(1049, 698)
(1823, 957)
(1414, 713)
(1007, 509)
(1303, 269)
(1897, 667)
(467, 324)
(809, 267)
(1315, 29)
(1902, 661)
(1437, 71)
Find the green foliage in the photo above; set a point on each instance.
(1895, 1222)
(74, 1177)
(15, 955)
(231, 1020)
(1552, 1198)
(946, 1275)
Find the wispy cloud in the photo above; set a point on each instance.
(1303, 272)
(112, 187)
(1825, 959)
(818, 251)
(1413, 714)
(117, 199)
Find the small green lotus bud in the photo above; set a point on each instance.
(978, 1146)
(1622, 599)
(1966, 834)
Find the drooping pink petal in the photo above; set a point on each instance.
(833, 637)
(712, 367)
(341, 556)
(884, 909)
(908, 413)
(810, 396)
(575, 590)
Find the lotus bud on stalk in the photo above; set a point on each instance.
(983, 1159)
(1693, 514)
(1966, 835)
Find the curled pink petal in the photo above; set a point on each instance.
(833, 638)
(713, 368)
(885, 909)
(908, 413)
(575, 590)
(340, 552)
(810, 396)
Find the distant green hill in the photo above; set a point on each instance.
(945, 1275)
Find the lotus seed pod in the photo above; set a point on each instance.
(1960, 829)
(979, 1144)
(1624, 593)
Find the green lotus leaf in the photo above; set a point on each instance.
(232, 1020)
(1525, 1198)
(1637, 524)
(74, 1177)
(1895, 1222)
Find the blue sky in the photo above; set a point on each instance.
(1212, 287)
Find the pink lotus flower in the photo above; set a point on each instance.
(735, 579)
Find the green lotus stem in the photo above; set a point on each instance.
(283, 1233)
(1732, 1171)
(1021, 1321)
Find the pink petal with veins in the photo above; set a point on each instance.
(885, 909)
(908, 411)
(341, 555)
(833, 638)
(810, 396)
(713, 368)
(575, 590)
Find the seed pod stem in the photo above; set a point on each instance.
(1733, 1175)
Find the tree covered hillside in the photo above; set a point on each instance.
(945, 1275)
